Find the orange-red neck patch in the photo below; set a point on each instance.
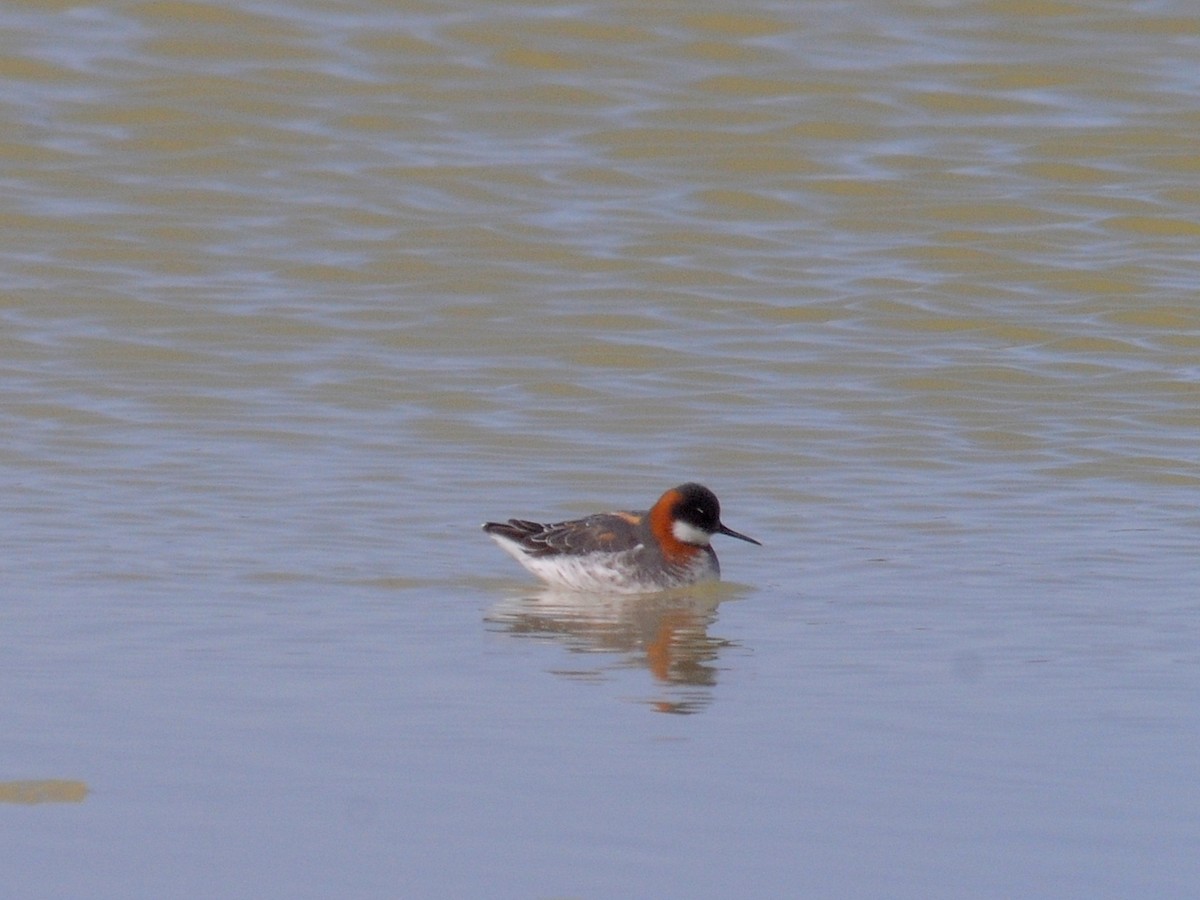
(662, 527)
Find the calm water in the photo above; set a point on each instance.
(296, 295)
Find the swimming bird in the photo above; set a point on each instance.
(666, 547)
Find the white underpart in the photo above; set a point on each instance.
(606, 572)
(690, 534)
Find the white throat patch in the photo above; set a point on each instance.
(690, 534)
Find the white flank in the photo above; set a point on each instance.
(606, 572)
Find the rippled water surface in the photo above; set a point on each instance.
(296, 295)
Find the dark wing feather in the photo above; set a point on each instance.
(610, 532)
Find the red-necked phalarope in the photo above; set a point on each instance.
(624, 552)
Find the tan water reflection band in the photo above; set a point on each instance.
(50, 791)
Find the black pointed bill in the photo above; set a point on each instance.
(723, 529)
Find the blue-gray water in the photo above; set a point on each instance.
(297, 295)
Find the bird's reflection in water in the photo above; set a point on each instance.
(666, 633)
